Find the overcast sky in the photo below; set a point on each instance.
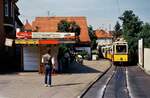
(99, 13)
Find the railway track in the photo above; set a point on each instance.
(114, 84)
(117, 85)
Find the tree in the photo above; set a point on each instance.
(131, 26)
(92, 36)
(65, 26)
(145, 34)
(74, 28)
(118, 32)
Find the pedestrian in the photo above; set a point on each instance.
(46, 60)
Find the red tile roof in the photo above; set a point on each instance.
(102, 34)
(49, 24)
(27, 26)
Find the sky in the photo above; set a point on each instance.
(99, 13)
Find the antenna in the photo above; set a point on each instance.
(48, 13)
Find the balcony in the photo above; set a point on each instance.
(8, 21)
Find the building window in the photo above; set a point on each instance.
(6, 7)
(12, 9)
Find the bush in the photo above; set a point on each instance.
(84, 54)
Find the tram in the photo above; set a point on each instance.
(120, 52)
(117, 52)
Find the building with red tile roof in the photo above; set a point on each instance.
(102, 34)
(49, 24)
(27, 26)
(103, 37)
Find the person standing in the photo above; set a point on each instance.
(46, 60)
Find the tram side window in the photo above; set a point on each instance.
(121, 48)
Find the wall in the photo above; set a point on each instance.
(146, 59)
(140, 53)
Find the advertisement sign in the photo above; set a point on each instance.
(24, 35)
(26, 41)
(52, 35)
(45, 35)
(48, 42)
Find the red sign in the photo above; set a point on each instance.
(24, 35)
(48, 42)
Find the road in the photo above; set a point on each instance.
(121, 82)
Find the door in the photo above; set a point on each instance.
(31, 58)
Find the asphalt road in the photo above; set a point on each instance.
(121, 82)
(139, 82)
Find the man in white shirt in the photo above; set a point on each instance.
(46, 60)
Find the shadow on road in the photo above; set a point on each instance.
(78, 68)
(69, 84)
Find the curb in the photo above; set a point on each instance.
(92, 83)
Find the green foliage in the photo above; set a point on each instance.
(92, 37)
(74, 28)
(145, 34)
(118, 32)
(95, 52)
(83, 53)
(63, 48)
(131, 26)
(65, 26)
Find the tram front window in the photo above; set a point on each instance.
(121, 48)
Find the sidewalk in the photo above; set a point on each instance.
(30, 85)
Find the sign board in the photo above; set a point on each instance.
(48, 42)
(42, 41)
(9, 42)
(51, 35)
(43, 35)
(24, 35)
(26, 41)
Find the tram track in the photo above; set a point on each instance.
(117, 86)
(114, 84)
(107, 83)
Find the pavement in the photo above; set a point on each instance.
(68, 85)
